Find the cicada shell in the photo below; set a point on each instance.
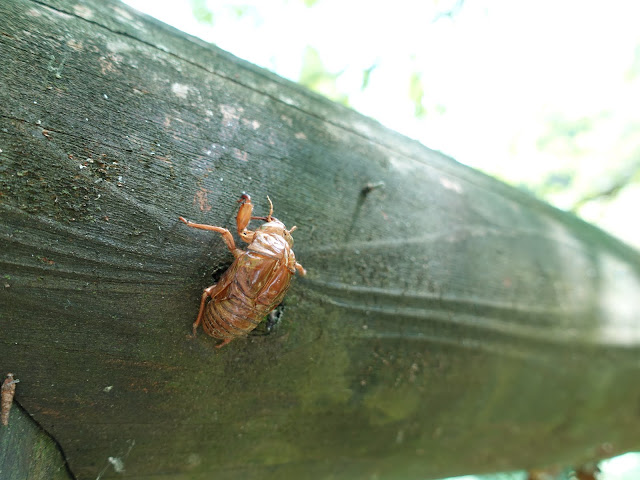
(257, 280)
(8, 391)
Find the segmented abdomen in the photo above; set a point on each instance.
(255, 284)
(233, 317)
(238, 313)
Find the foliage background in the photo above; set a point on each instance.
(543, 95)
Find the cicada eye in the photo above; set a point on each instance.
(287, 236)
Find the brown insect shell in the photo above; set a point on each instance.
(7, 390)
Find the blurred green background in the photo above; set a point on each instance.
(543, 95)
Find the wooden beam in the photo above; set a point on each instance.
(448, 324)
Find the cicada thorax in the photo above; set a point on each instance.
(255, 284)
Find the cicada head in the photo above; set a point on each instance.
(276, 227)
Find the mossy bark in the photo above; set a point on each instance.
(28, 452)
(449, 324)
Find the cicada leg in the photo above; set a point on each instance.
(223, 342)
(300, 269)
(244, 217)
(209, 293)
(226, 234)
(270, 210)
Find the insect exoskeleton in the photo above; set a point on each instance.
(257, 280)
(7, 392)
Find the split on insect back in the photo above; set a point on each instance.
(255, 283)
(8, 391)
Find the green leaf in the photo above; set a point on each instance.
(315, 76)
(416, 94)
(201, 12)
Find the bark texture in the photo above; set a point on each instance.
(448, 324)
(27, 452)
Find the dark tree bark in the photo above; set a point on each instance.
(27, 452)
(449, 324)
